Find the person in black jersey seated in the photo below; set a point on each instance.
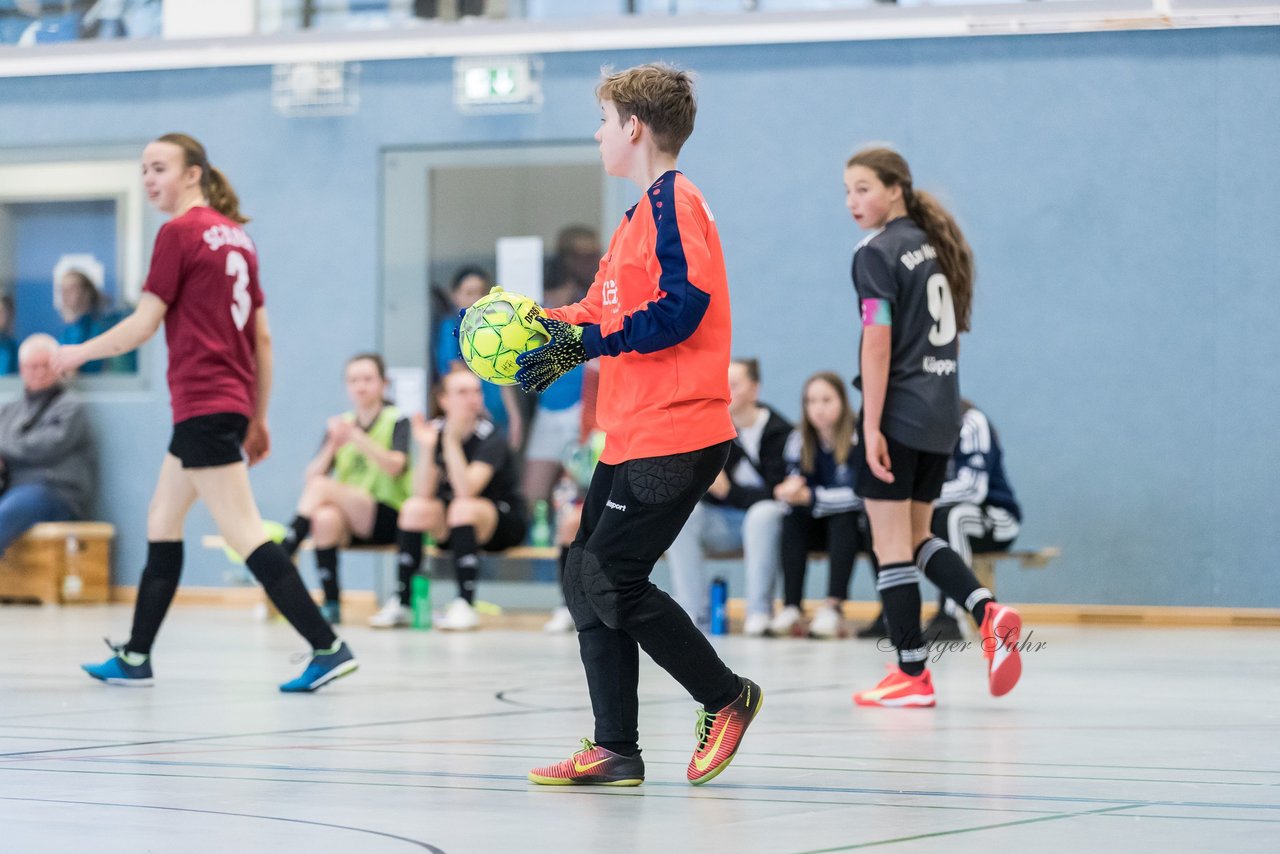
(466, 492)
(825, 514)
(977, 512)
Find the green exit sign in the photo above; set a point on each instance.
(496, 84)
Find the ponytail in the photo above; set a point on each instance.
(222, 197)
(954, 255)
(944, 235)
(215, 186)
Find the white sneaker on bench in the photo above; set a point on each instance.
(392, 616)
(561, 621)
(460, 616)
(827, 623)
(786, 621)
(756, 625)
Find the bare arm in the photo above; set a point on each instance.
(391, 462)
(322, 461)
(257, 442)
(467, 479)
(426, 476)
(877, 344)
(266, 364)
(125, 337)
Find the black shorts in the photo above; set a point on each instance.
(917, 475)
(510, 531)
(386, 523)
(207, 441)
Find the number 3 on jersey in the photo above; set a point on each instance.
(943, 331)
(238, 269)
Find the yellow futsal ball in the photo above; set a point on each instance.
(499, 327)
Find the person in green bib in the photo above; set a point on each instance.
(357, 482)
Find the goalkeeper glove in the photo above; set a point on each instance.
(542, 366)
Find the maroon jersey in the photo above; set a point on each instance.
(205, 268)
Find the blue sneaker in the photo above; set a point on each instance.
(325, 666)
(123, 668)
(332, 613)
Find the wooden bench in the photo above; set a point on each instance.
(517, 553)
(59, 562)
(984, 564)
(214, 541)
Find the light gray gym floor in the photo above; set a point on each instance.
(1116, 739)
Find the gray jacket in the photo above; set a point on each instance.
(57, 450)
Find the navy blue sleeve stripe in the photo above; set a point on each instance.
(667, 321)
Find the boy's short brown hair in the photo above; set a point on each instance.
(657, 94)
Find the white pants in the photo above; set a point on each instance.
(757, 531)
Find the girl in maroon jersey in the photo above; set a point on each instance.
(203, 286)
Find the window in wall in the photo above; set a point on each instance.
(70, 254)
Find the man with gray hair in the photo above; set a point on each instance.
(47, 466)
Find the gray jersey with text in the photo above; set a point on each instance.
(922, 405)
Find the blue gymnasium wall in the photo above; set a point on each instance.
(1119, 190)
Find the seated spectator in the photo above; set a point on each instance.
(577, 260)
(501, 402)
(41, 25)
(47, 466)
(122, 19)
(579, 464)
(358, 480)
(466, 492)
(826, 514)
(977, 512)
(84, 311)
(738, 511)
(8, 344)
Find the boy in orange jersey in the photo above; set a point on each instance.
(658, 314)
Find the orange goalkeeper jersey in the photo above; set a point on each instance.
(658, 312)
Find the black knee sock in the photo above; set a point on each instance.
(298, 530)
(278, 576)
(899, 588)
(155, 593)
(327, 569)
(466, 563)
(408, 562)
(941, 565)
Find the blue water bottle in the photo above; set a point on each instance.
(719, 606)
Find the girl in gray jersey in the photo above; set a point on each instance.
(914, 278)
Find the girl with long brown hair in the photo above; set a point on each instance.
(825, 513)
(914, 278)
(203, 286)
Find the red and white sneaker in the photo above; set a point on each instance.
(1001, 628)
(899, 690)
